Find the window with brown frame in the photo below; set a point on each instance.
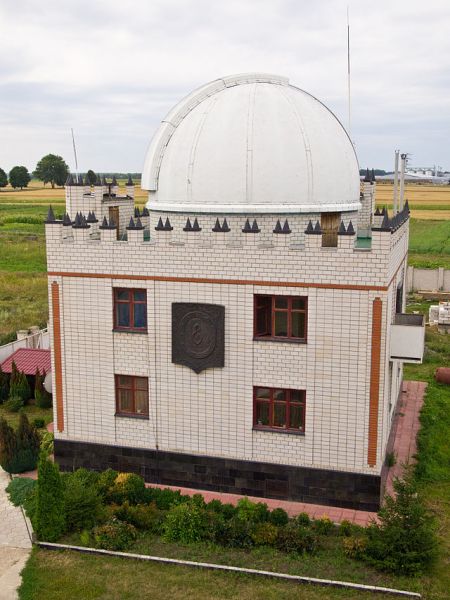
(131, 396)
(130, 309)
(280, 317)
(279, 409)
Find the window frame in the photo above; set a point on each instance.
(271, 402)
(133, 413)
(131, 303)
(273, 310)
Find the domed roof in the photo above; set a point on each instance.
(251, 144)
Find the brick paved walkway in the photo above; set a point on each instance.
(404, 448)
(15, 543)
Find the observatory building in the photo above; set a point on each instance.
(244, 332)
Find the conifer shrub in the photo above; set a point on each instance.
(186, 523)
(296, 538)
(279, 517)
(404, 541)
(82, 504)
(128, 487)
(114, 535)
(237, 533)
(19, 450)
(19, 489)
(302, 519)
(42, 397)
(49, 519)
(4, 386)
(19, 386)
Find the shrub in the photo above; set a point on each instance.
(8, 445)
(265, 534)
(18, 450)
(302, 519)
(14, 404)
(404, 541)
(4, 386)
(128, 487)
(81, 502)
(42, 397)
(39, 423)
(47, 439)
(166, 498)
(354, 546)
(114, 535)
(105, 482)
(296, 538)
(19, 385)
(237, 533)
(323, 526)
(19, 489)
(345, 528)
(279, 517)
(50, 517)
(390, 459)
(142, 516)
(185, 523)
(253, 512)
(226, 510)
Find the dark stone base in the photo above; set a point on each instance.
(249, 478)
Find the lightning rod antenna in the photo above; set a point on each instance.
(348, 75)
(75, 154)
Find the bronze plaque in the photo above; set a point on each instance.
(198, 340)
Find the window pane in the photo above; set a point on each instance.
(298, 324)
(281, 302)
(125, 400)
(297, 396)
(281, 320)
(141, 383)
(296, 417)
(123, 315)
(140, 295)
(279, 395)
(298, 303)
(125, 381)
(262, 413)
(123, 294)
(263, 393)
(141, 398)
(140, 315)
(263, 321)
(279, 415)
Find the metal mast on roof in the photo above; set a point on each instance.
(348, 75)
(75, 154)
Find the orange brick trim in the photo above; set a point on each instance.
(293, 284)
(57, 356)
(377, 309)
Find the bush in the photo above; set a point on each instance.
(42, 397)
(253, 512)
(82, 503)
(302, 519)
(105, 482)
(345, 528)
(354, 547)
(39, 423)
(142, 516)
(226, 510)
(279, 517)
(19, 489)
(165, 498)
(49, 516)
(404, 541)
(237, 533)
(128, 487)
(264, 534)
(114, 535)
(14, 404)
(185, 523)
(296, 538)
(324, 526)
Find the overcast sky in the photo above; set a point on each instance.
(112, 69)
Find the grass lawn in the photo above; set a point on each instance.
(32, 412)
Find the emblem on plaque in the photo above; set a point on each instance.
(198, 335)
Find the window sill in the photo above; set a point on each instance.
(138, 331)
(130, 416)
(282, 431)
(278, 339)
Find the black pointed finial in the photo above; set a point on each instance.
(309, 229)
(377, 212)
(217, 228)
(367, 178)
(69, 180)
(373, 176)
(342, 230)
(50, 216)
(286, 228)
(131, 224)
(145, 212)
(138, 224)
(188, 226)
(104, 224)
(167, 225)
(80, 180)
(196, 226)
(114, 181)
(406, 207)
(255, 228)
(350, 229)
(225, 227)
(160, 226)
(130, 181)
(66, 220)
(317, 228)
(278, 228)
(247, 228)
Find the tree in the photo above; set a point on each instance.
(3, 179)
(42, 397)
(19, 450)
(52, 169)
(91, 177)
(50, 513)
(8, 445)
(19, 177)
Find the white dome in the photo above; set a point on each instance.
(251, 143)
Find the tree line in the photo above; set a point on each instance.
(50, 169)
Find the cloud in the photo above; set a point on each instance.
(111, 70)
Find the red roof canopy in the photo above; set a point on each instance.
(28, 360)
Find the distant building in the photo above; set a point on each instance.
(245, 333)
